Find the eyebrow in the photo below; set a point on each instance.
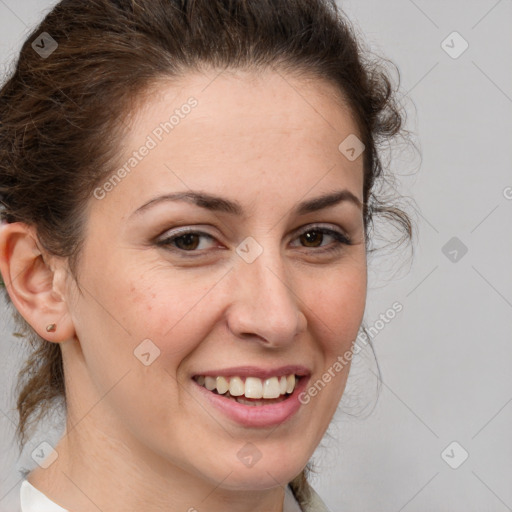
(220, 204)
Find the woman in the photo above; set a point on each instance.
(187, 190)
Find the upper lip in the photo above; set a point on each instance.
(255, 371)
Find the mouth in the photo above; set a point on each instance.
(250, 390)
(252, 396)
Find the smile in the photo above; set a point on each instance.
(274, 389)
(253, 397)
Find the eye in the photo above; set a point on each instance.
(185, 240)
(189, 241)
(316, 234)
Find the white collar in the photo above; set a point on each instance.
(33, 500)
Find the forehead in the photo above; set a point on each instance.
(243, 103)
(233, 130)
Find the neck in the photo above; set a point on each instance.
(101, 465)
(94, 472)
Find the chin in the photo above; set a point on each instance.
(259, 476)
(265, 478)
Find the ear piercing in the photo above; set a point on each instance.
(51, 327)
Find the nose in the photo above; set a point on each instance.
(263, 303)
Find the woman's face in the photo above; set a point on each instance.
(257, 291)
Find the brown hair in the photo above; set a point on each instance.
(62, 116)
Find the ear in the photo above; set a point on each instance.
(36, 289)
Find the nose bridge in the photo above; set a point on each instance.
(264, 303)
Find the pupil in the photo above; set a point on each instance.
(187, 238)
(310, 238)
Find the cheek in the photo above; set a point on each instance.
(339, 309)
(167, 312)
(339, 306)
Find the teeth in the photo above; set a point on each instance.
(283, 385)
(271, 388)
(209, 383)
(236, 386)
(222, 385)
(253, 387)
(290, 381)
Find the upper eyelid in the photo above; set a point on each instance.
(181, 231)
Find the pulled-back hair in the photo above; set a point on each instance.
(63, 116)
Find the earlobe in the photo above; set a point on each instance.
(29, 280)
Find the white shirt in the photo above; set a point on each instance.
(33, 500)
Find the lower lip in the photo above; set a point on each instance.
(256, 415)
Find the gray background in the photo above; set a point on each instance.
(445, 358)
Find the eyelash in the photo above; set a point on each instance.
(340, 240)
